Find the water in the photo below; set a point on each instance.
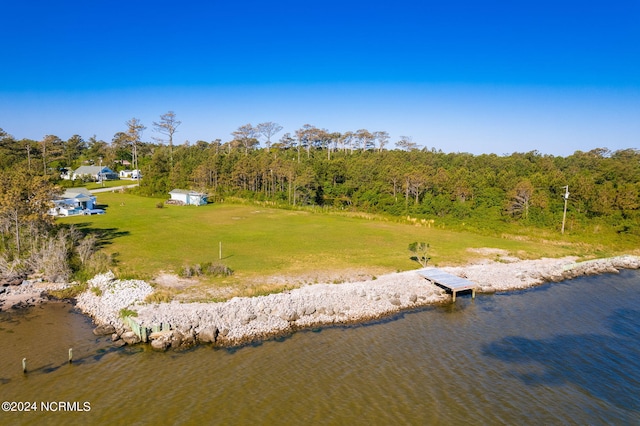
(566, 353)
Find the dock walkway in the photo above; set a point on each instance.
(448, 281)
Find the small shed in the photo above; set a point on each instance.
(187, 197)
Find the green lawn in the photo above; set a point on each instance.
(264, 242)
(108, 184)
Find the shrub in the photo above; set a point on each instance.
(208, 268)
(219, 269)
(160, 296)
(50, 258)
(420, 250)
(130, 275)
(186, 272)
(197, 270)
(126, 312)
(12, 268)
(100, 262)
(69, 292)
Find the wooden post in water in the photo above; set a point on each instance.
(24, 365)
(70, 355)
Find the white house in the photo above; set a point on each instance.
(73, 202)
(66, 174)
(130, 174)
(94, 173)
(186, 197)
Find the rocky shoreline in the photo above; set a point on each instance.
(26, 294)
(119, 310)
(243, 320)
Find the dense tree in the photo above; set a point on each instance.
(25, 199)
(520, 199)
(133, 135)
(269, 130)
(366, 139)
(406, 143)
(73, 148)
(355, 170)
(51, 150)
(286, 141)
(98, 149)
(307, 137)
(246, 136)
(382, 138)
(167, 126)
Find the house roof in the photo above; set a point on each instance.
(76, 193)
(92, 170)
(186, 191)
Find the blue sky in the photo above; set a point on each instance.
(460, 76)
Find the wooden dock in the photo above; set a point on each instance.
(448, 281)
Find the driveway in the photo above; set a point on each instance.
(113, 188)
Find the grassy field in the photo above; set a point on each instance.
(262, 243)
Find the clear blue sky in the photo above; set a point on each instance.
(461, 76)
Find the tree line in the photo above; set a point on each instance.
(357, 170)
(526, 188)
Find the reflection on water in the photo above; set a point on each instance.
(566, 353)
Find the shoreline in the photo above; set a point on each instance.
(28, 294)
(243, 320)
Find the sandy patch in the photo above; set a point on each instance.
(494, 254)
(165, 279)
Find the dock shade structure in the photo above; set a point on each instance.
(448, 281)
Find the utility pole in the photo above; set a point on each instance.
(566, 198)
(101, 174)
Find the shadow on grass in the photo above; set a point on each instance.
(105, 235)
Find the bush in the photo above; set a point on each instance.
(186, 272)
(420, 250)
(218, 269)
(12, 268)
(210, 269)
(50, 258)
(125, 312)
(160, 296)
(197, 270)
(100, 262)
(69, 292)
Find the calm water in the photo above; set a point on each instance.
(565, 353)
